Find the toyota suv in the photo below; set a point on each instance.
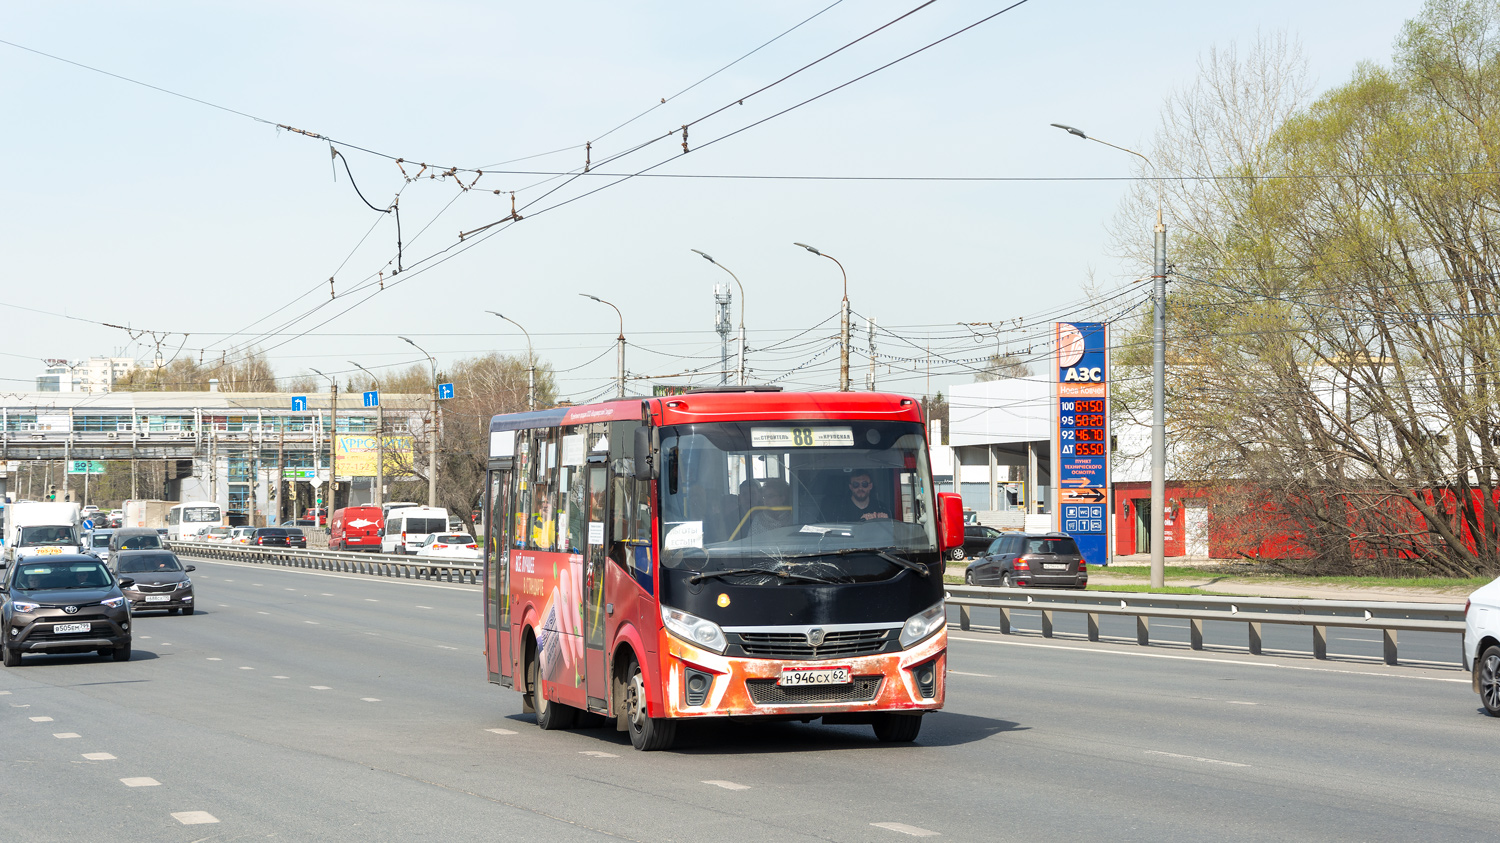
(63, 604)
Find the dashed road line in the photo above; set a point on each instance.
(594, 753)
(502, 731)
(281, 677)
(214, 659)
(1195, 758)
(4, 693)
(368, 699)
(320, 687)
(961, 673)
(907, 829)
(140, 781)
(314, 623)
(194, 817)
(98, 756)
(247, 668)
(66, 735)
(727, 785)
(41, 719)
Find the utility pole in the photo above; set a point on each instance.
(379, 435)
(530, 361)
(741, 365)
(280, 468)
(620, 345)
(870, 326)
(843, 320)
(432, 436)
(722, 298)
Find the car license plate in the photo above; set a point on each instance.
(158, 598)
(1056, 566)
(792, 677)
(48, 551)
(72, 627)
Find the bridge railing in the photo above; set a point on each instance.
(348, 562)
(1390, 618)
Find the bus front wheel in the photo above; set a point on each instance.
(647, 733)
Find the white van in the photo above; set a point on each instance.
(34, 528)
(408, 527)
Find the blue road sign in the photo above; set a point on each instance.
(372, 399)
(88, 524)
(445, 390)
(299, 403)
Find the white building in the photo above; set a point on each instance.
(96, 374)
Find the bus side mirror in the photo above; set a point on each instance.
(645, 466)
(950, 521)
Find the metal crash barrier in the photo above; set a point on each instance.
(347, 562)
(1390, 618)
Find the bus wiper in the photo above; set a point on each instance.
(898, 561)
(786, 575)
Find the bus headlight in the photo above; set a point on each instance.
(923, 624)
(693, 629)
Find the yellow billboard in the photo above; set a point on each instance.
(357, 455)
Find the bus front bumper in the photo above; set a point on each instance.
(701, 683)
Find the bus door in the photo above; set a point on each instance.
(497, 578)
(596, 676)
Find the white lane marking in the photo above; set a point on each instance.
(907, 829)
(320, 687)
(246, 668)
(66, 735)
(223, 605)
(1236, 662)
(1241, 702)
(369, 579)
(166, 643)
(501, 731)
(326, 594)
(257, 585)
(194, 817)
(368, 699)
(140, 781)
(594, 753)
(291, 589)
(19, 705)
(424, 607)
(445, 647)
(314, 623)
(214, 659)
(281, 677)
(229, 581)
(371, 600)
(961, 673)
(41, 719)
(145, 638)
(98, 756)
(4, 693)
(727, 785)
(1195, 758)
(262, 613)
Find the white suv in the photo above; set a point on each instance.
(1482, 645)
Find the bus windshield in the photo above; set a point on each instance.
(803, 501)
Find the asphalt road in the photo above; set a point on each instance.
(302, 705)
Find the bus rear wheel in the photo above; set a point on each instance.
(897, 728)
(647, 733)
(549, 715)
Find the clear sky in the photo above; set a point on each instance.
(129, 206)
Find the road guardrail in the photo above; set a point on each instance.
(348, 562)
(1388, 617)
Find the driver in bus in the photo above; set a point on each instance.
(861, 505)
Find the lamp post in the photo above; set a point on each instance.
(379, 436)
(333, 446)
(843, 321)
(620, 378)
(432, 464)
(1158, 378)
(530, 360)
(741, 366)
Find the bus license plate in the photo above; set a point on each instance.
(72, 627)
(793, 677)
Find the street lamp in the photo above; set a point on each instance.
(737, 283)
(432, 465)
(530, 359)
(379, 436)
(620, 378)
(1158, 380)
(333, 448)
(843, 321)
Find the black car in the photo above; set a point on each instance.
(1030, 560)
(161, 582)
(977, 540)
(67, 603)
(278, 537)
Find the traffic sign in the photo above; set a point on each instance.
(298, 474)
(372, 399)
(299, 403)
(88, 523)
(445, 390)
(85, 466)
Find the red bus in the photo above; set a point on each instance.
(746, 553)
